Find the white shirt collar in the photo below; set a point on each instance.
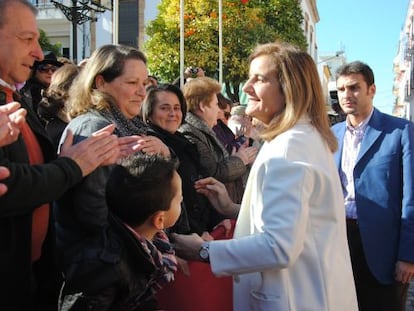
(5, 84)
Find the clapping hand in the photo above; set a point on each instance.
(11, 119)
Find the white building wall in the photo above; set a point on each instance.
(59, 29)
(54, 23)
(310, 19)
(403, 68)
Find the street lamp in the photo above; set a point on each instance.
(78, 13)
(337, 54)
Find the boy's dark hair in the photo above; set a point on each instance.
(140, 186)
(357, 67)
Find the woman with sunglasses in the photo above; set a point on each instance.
(40, 79)
(223, 132)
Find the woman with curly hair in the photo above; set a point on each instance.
(52, 108)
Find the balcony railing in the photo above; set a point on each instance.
(42, 4)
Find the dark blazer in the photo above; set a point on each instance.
(384, 192)
(29, 187)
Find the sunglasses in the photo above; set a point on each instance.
(46, 68)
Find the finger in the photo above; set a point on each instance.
(19, 117)
(108, 151)
(3, 189)
(203, 191)
(233, 150)
(105, 144)
(127, 140)
(111, 157)
(207, 236)
(105, 130)
(214, 187)
(14, 131)
(138, 147)
(126, 150)
(10, 107)
(205, 181)
(4, 172)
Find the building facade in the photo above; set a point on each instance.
(93, 23)
(403, 87)
(310, 19)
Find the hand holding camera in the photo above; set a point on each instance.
(193, 72)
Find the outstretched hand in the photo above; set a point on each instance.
(246, 154)
(187, 246)
(218, 196)
(101, 148)
(152, 145)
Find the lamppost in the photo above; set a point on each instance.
(78, 13)
(337, 54)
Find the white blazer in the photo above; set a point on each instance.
(290, 248)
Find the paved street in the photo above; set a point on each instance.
(410, 298)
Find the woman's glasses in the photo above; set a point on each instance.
(46, 68)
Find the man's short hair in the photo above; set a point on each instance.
(357, 67)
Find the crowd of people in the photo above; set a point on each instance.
(119, 192)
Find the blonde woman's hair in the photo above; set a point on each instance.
(107, 61)
(301, 87)
(200, 90)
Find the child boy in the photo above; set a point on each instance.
(144, 197)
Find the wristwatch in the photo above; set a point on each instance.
(204, 252)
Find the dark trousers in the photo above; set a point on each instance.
(372, 295)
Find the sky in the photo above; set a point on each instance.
(367, 30)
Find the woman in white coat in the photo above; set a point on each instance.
(289, 250)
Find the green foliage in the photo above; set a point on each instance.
(47, 45)
(244, 26)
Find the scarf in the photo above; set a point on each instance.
(124, 126)
(162, 255)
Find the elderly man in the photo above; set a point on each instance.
(28, 277)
